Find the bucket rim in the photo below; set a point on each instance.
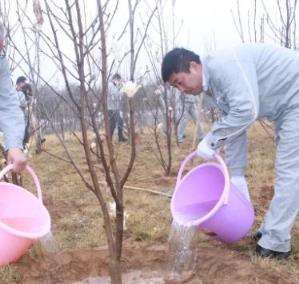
(20, 233)
(46, 229)
(223, 199)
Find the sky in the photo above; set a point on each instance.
(207, 22)
(205, 25)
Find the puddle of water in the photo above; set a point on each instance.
(131, 277)
(182, 257)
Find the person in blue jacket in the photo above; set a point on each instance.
(249, 82)
(12, 122)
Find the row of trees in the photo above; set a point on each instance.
(268, 21)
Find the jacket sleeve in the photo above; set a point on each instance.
(12, 122)
(237, 93)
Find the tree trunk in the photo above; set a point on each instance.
(115, 271)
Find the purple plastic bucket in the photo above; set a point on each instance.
(204, 198)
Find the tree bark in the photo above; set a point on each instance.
(115, 271)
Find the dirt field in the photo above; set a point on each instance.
(80, 255)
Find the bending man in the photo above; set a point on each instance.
(247, 83)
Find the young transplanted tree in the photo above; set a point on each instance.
(85, 59)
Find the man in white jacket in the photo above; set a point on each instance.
(247, 83)
(11, 117)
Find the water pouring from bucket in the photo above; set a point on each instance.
(206, 199)
(23, 218)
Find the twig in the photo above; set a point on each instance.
(144, 190)
(148, 190)
(55, 156)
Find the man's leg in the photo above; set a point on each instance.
(27, 128)
(279, 220)
(120, 128)
(112, 122)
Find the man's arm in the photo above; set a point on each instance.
(238, 84)
(12, 122)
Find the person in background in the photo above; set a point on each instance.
(189, 110)
(166, 103)
(24, 92)
(113, 105)
(11, 118)
(247, 83)
(181, 107)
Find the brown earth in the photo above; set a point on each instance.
(144, 263)
(82, 256)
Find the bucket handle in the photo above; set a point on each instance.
(9, 167)
(224, 168)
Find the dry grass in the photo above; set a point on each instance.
(10, 274)
(75, 211)
(76, 216)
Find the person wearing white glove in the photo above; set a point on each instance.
(12, 122)
(247, 83)
(205, 151)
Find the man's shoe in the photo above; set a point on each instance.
(263, 252)
(256, 237)
(123, 140)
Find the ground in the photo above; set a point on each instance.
(79, 252)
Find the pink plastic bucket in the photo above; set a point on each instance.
(204, 198)
(23, 218)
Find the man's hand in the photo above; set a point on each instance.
(204, 151)
(16, 157)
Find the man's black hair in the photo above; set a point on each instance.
(21, 79)
(116, 76)
(27, 90)
(177, 60)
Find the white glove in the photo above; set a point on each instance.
(204, 151)
(240, 183)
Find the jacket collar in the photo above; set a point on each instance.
(205, 76)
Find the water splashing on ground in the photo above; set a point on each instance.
(182, 257)
(49, 244)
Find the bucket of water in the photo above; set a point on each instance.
(23, 218)
(204, 198)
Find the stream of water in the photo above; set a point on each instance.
(182, 258)
(49, 244)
